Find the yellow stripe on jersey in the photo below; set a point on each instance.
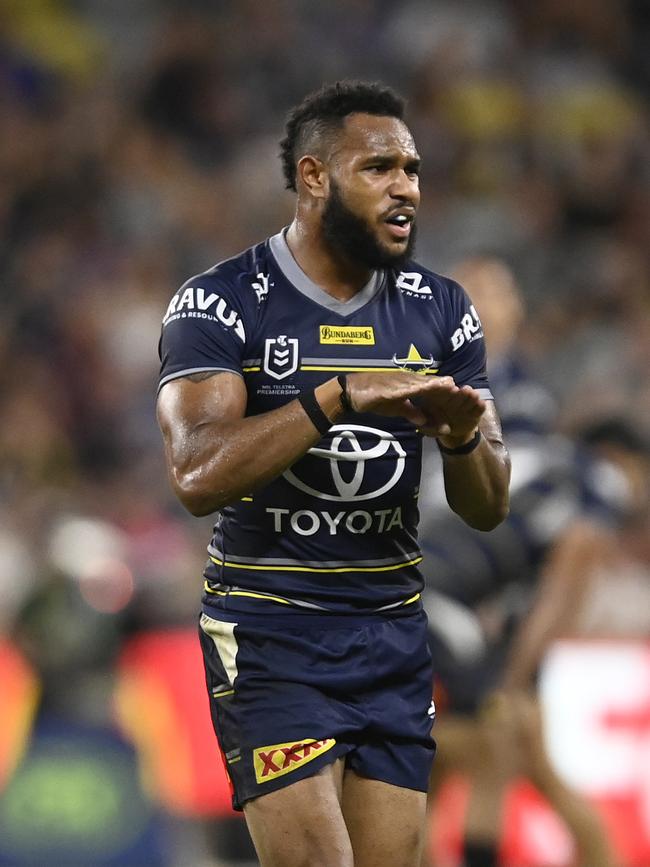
(325, 569)
(412, 599)
(344, 368)
(270, 598)
(369, 369)
(267, 596)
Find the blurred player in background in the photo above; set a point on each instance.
(495, 601)
(297, 381)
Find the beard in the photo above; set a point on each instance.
(351, 236)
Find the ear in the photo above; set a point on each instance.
(313, 175)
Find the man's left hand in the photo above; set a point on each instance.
(452, 416)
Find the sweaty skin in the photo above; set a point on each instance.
(375, 165)
(215, 454)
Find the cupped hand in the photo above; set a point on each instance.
(416, 398)
(451, 415)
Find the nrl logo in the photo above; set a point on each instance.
(415, 362)
(281, 356)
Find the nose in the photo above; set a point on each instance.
(405, 186)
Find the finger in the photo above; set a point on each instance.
(414, 414)
(436, 384)
(427, 424)
(442, 381)
(470, 395)
(434, 398)
(466, 402)
(469, 408)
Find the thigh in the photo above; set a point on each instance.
(302, 825)
(386, 823)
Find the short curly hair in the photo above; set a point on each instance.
(324, 111)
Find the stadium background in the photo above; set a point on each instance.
(138, 143)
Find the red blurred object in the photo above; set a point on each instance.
(18, 699)
(163, 708)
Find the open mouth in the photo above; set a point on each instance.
(399, 225)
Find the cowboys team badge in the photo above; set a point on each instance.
(281, 356)
(415, 362)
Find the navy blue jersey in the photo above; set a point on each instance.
(338, 529)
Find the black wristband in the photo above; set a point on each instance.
(464, 449)
(345, 397)
(315, 412)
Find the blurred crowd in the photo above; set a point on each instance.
(138, 146)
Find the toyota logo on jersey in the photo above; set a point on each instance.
(351, 449)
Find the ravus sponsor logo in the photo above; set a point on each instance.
(197, 303)
(279, 759)
(345, 334)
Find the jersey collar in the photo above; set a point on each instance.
(304, 284)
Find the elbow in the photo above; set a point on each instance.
(195, 496)
(485, 523)
(198, 508)
(488, 519)
(197, 505)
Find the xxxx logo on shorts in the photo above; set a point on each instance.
(279, 759)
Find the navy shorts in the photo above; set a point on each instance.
(290, 693)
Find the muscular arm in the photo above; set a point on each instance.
(215, 454)
(476, 484)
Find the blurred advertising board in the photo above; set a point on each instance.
(595, 699)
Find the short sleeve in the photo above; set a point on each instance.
(465, 358)
(203, 330)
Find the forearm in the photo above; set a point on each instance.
(222, 462)
(216, 454)
(476, 484)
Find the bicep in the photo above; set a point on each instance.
(187, 404)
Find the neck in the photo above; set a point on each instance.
(339, 277)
